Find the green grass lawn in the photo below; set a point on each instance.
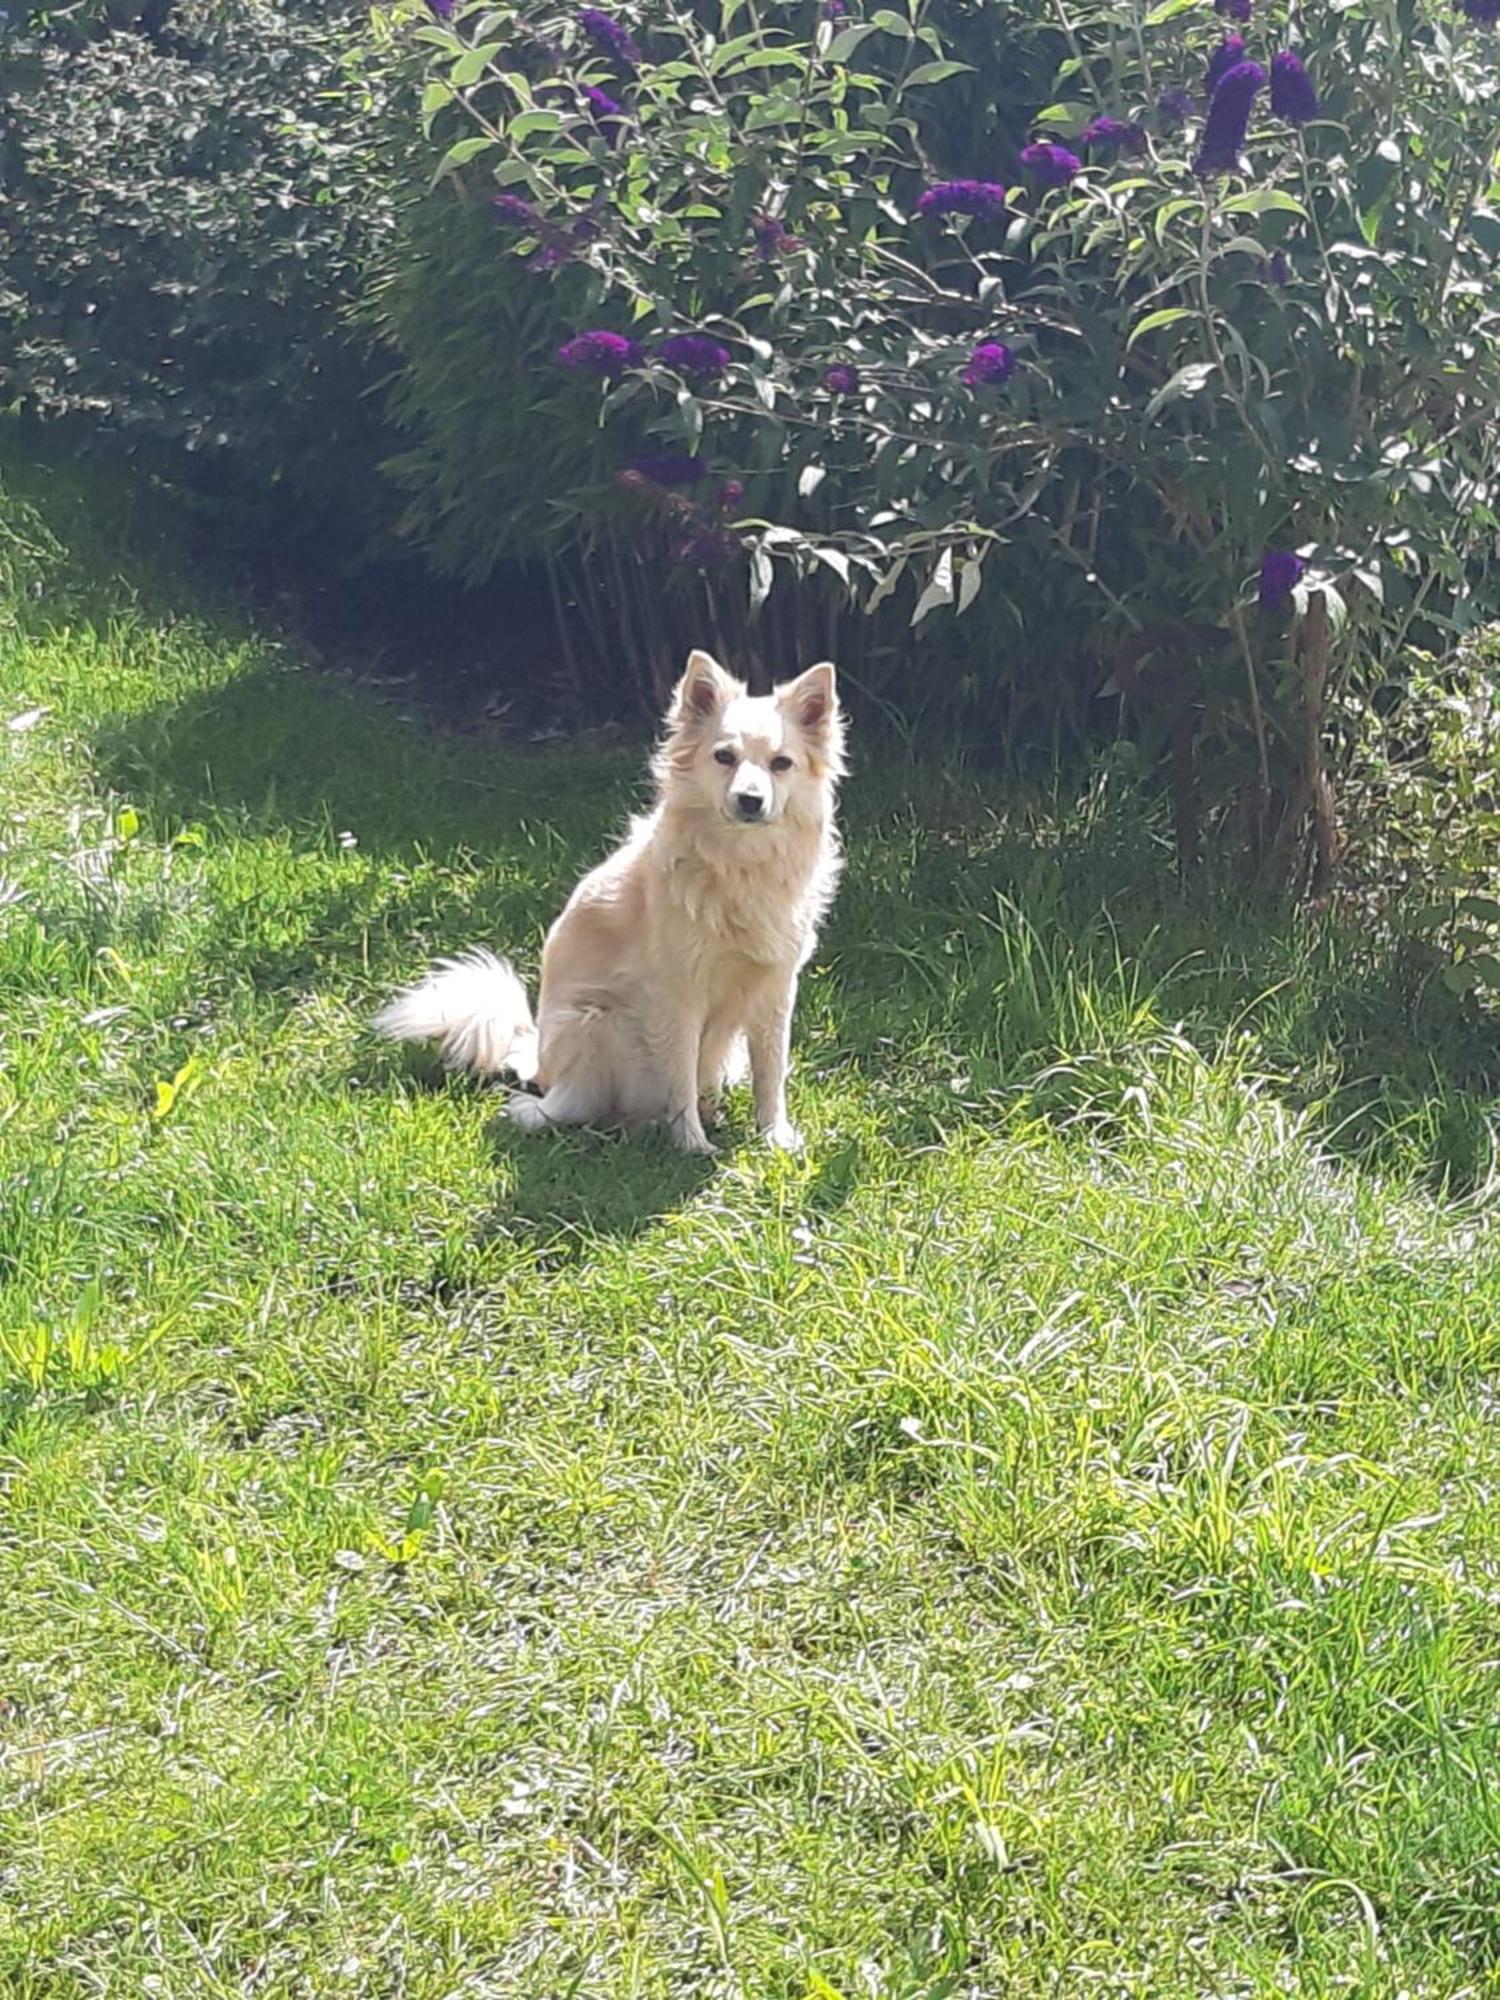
(1044, 1541)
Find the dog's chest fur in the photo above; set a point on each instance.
(764, 909)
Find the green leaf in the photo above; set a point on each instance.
(434, 97)
(936, 72)
(1167, 11)
(773, 111)
(762, 576)
(526, 123)
(466, 149)
(1069, 115)
(939, 589)
(893, 24)
(847, 40)
(1167, 316)
(767, 59)
(472, 65)
(1263, 201)
(1188, 381)
(833, 559)
(1183, 204)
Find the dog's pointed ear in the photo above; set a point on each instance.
(812, 699)
(704, 689)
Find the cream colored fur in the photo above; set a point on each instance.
(677, 957)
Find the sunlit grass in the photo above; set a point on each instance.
(1041, 1542)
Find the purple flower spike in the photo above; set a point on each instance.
(991, 363)
(834, 10)
(695, 354)
(1280, 573)
(1113, 135)
(1229, 119)
(1229, 52)
(516, 210)
(842, 379)
(1234, 10)
(1174, 106)
(962, 198)
(610, 35)
(1486, 12)
(608, 115)
(599, 353)
(442, 8)
(1053, 165)
(1278, 270)
(669, 468)
(1292, 95)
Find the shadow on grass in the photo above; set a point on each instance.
(971, 937)
(566, 1189)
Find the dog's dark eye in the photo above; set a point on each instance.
(781, 763)
(723, 756)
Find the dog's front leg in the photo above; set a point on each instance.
(680, 1063)
(769, 1034)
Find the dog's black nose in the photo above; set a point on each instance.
(749, 805)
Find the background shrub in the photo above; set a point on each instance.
(192, 194)
(1202, 352)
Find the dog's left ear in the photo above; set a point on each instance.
(812, 699)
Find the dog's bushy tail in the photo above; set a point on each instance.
(475, 1008)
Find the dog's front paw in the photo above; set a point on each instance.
(784, 1136)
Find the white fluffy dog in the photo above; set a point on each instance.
(682, 950)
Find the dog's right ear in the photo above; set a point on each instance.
(704, 690)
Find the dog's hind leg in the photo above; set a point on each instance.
(563, 1104)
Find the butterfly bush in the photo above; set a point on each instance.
(1054, 341)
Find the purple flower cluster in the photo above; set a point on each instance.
(1053, 165)
(834, 10)
(1234, 10)
(962, 198)
(1113, 135)
(600, 353)
(1229, 52)
(1175, 106)
(991, 363)
(1486, 12)
(556, 244)
(772, 237)
(516, 209)
(695, 354)
(842, 379)
(1277, 269)
(1280, 573)
(1229, 119)
(443, 9)
(605, 32)
(1292, 95)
